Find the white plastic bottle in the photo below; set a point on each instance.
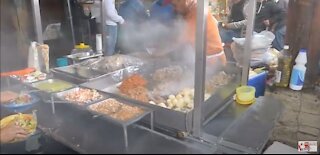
(299, 71)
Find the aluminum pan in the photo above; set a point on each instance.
(165, 117)
(35, 85)
(61, 95)
(123, 123)
(79, 71)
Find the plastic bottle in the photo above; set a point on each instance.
(283, 71)
(299, 71)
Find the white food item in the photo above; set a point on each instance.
(163, 105)
(170, 105)
(172, 97)
(180, 104)
(174, 101)
(152, 102)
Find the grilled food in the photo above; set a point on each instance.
(82, 96)
(116, 110)
(135, 87)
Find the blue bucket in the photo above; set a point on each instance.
(61, 62)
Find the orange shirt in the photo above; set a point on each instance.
(214, 44)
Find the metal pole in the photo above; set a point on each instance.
(71, 22)
(103, 24)
(37, 20)
(200, 66)
(247, 45)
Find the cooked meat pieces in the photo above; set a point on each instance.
(217, 81)
(168, 74)
(107, 107)
(135, 87)
(83, 96)
(138, 93)
(127, 113)
(7, 96)
(116, 109)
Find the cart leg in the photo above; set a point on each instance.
(52, 105)
(151, 121)
(125, 132)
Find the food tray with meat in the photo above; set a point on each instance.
(172, 98)
(81, 96)
(119, 111)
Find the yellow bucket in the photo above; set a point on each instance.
(245, 95)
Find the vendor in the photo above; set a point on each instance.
(188, 10)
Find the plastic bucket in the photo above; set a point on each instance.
(61, 62)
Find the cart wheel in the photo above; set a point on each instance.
(182, 135)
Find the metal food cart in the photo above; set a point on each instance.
(216, 125)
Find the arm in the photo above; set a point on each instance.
(237, 25)
(112, 13)
(242, 23)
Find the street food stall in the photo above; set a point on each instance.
(129, 104)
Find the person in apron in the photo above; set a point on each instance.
(188, 10)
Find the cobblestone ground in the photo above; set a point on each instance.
(300, 120)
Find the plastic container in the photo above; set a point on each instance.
(259, 82)
(283, 71)
(245, 94)
(82, 48)
(299, 71)
(61, 62)
(99, 45)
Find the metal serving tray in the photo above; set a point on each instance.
(61, 96)
(133, 120)
(77, 72)
(36, 85)
(163, 117)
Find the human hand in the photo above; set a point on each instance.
(226, 26)
(11, 133)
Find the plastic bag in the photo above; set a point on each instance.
(260, 40)
(258, 56)
(261, 46)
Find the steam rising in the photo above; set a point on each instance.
(156, 38)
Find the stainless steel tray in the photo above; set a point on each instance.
(133, 120)
(79, 71)
(61, 96)
(36, 85)
(167, 118)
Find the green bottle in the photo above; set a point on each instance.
(283, 71)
